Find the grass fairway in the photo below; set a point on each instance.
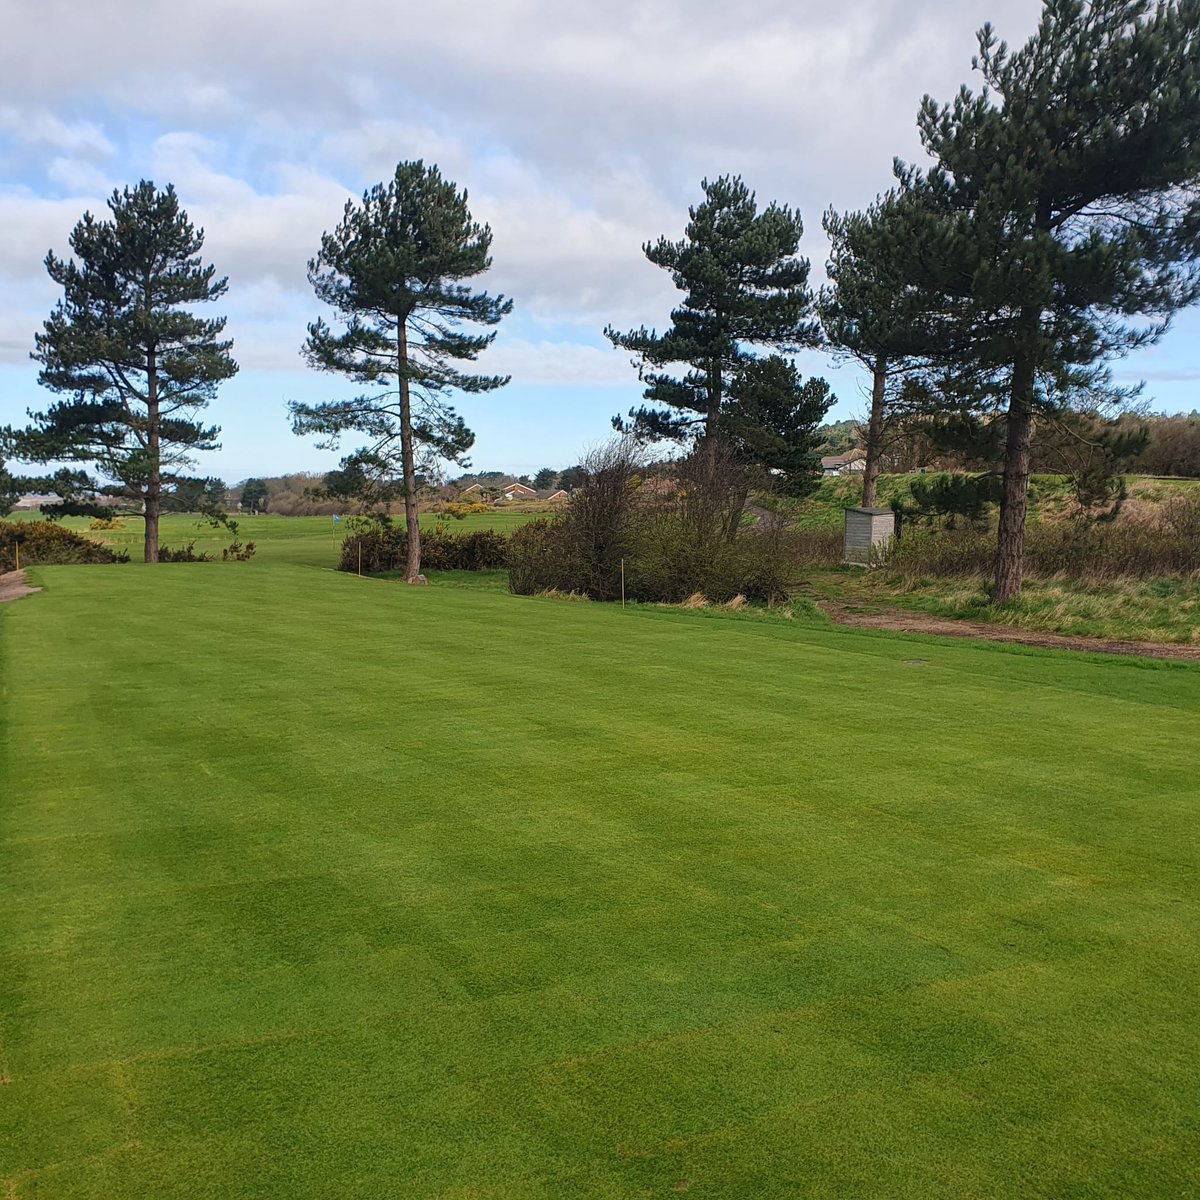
(313, 886)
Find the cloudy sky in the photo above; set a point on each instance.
(580, 130)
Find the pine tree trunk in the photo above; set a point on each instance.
(412, 517)
(1014, 503)
(153, 501)
(875, 431)
(711, 421)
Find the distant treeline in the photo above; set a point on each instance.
(286, 495)
(1172, 446)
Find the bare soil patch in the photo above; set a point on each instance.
(906, 621)
(13, 586)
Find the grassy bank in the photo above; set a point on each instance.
(1154, 610)
(320, 886)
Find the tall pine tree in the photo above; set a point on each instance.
(394, 271)
(136, 364)
(1070, 224)
(745, 289)
(870, 312)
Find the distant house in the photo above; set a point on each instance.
(34, 500)
(518, 491)
(853, 463)
(513, 490)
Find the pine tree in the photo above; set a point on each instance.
(393, 270)
(773, 421)
(869, 311)
(254, 496)
(137, 365)
(745, 287)
(11, 489)
(1070, 210)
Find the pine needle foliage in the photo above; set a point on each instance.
(135, 361)
(1066, 197)
(745, 288)
(394, 271)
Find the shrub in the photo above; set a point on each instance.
(43, 543)
(234, 552)
(186, 553)
(107, 523)
(650, 542)
(460, 509)
(539, 559)
(386, 549)
(666, 561)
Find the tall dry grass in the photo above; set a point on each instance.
(1159, 543)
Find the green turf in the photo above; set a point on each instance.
(313, 886)
(311, 541)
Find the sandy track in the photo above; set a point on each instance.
(13, 586)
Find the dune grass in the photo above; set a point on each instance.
(320, 886)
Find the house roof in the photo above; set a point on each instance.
(552, 494)
(840, 460)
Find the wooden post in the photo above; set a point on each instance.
(17, 555)
(360, 556)
(622, 583)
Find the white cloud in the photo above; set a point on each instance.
(580, 131)
(557, 362)
(40, 127)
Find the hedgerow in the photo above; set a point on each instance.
(386, 549)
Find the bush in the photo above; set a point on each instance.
(661, 540)
(539, 557)
(106, 523)
(386, 549)
(186, 553)
(234, 552)
(43, 543)
(460, 509)
(666, 561)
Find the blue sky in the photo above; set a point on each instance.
(580, 132)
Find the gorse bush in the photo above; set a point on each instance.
(187, 553)
(43, 543)
(386, 549)
(235, 552)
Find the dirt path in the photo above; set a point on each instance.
(13, 586)
(905, 621)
